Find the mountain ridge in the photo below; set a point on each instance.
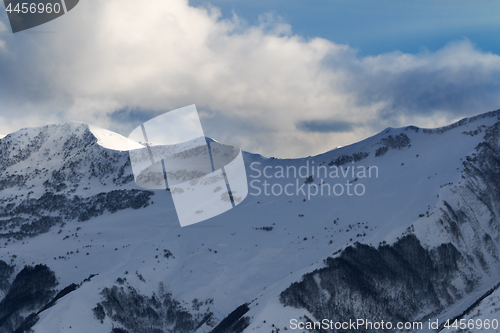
(100, 133)
(252, 253)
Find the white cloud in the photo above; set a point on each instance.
(254, 84)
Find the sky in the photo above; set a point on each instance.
(281, 78)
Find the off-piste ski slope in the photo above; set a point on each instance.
(68, 201)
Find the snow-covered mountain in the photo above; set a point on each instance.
(413, 236)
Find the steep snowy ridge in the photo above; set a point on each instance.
(483, 314)
(69, 202)
(57, 173)
(112, 140)
(452, 262)
(51, 176)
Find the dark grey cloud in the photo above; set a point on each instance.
(325, 126)
(126, 119)
(420, 92)
(458, 80)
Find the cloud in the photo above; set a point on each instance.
(457, 78)
(115, 63)
(325, 126)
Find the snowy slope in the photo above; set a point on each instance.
(228, 260)
(483, 317)
(112, 140)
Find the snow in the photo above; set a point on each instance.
(250, 265)
(112, 140)
(486, 311)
